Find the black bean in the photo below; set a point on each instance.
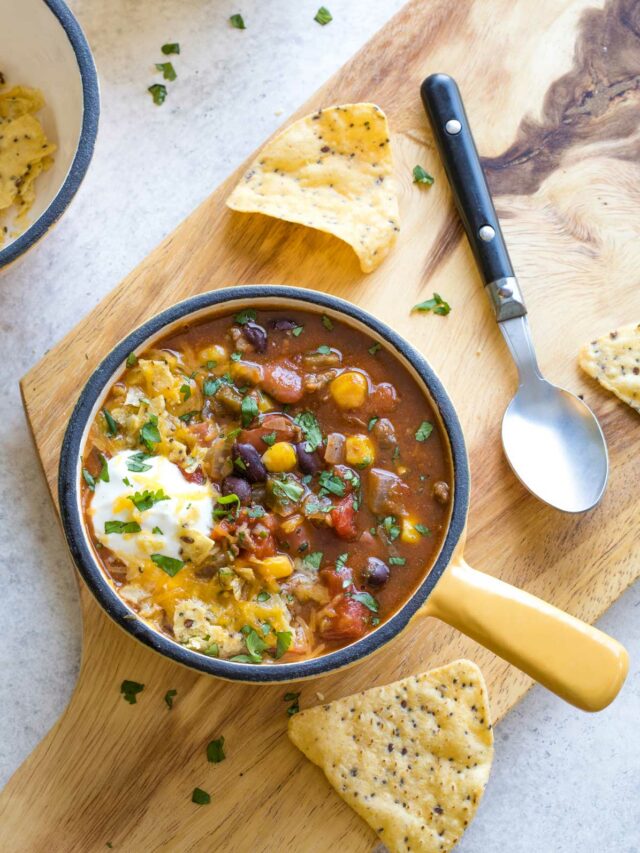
(441, 492)
(237, 486)
(376, 572)
(256, 336)
(283, 325)
(309, 463)
(247, 463)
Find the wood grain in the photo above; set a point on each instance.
(553, 100)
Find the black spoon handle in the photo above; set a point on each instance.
(445, 110)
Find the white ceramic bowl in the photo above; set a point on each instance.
(42, 45)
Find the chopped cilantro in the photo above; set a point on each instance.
(292, 697)
(145, 500)
(249, 410)
(170, 47)
(210, 386)
(112, 426)
(255, 645)
(132, 359)
(150, 434)
(256, 512)
(391, 528)
(169, 565)
(215, 751)
(323, 349)
(185, 390)
(372, 423)
(129, 690)
(237, 21)
(168, 697)
(269, 438)
(374, 349)
(327, 323)
(323, 16)
(157, 531)
(200, 797)
(424, 431)
(310, 427)
(263, 596)
(422, 530)
(137, 462)
(375, 620)
(436, 304)
(126, 481)
(89, 479)
(168, 71)
(367, 599)
(420, 176)
(283, 641)
(313, 560)
(121, 527)
(158, 93)
(287, 490)
(329, 483)
(341, 561)
(212, 651)
(297, 331)
(236, 356)
(187, 417)
(397, 561)
(246, 316)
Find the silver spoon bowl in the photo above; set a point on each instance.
(551, 438)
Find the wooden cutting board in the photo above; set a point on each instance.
(553, 99)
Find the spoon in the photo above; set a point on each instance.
(551, 438)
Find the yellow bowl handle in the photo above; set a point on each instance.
(576, 661)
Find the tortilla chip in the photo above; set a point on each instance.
(614, 360)
(411, 758)
(332, 171)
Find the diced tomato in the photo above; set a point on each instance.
(336, 581)
(383, 399)
(282, 382)
(195, 476)
(221, 531)
(350, 622)
(254, 436)
(343, 517)
(261, 546)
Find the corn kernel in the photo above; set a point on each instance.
(288, 525)
(216, 353)
(280, 457)
(271, 568)
(359, 451)
(408, 533)
(349, 390)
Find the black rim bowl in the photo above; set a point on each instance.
(94, 575)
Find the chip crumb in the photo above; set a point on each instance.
(411, 758)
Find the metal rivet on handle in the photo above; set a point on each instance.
(453, 126)
(486, 233)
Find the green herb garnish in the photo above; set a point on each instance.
(372, 423)
(297, 331)
(323, 16)
(422, 530)
(215, 751)
(256, 512)
(287, 490)
(436, 304)
(112, 426)
(397, 561)
(185, 390)
(341, 561)
(200, 797)
(136, 462)
(313, 560)
(367, 599)
(150, 434)
(187, 417)
(212, 651)
(237, 21)
(132, 359)
(249, 410)
(310, 427)
(327, 323)
(263, 596)
(168, 697)
(89, 479)
(168, 71)
(323, 349)
(121, 527)
(169, 565)
(158, 93)
(269, 438)
(246, 316)
(283, 641)
(255, 645)
(170, 47)
(129, 690)
(374, 349)
(145, 500)
(157, 531)
(424, 431)
(391, 527)
(329, 483)
(420, 176)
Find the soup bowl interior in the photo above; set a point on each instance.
(42, 46)
(174, 319)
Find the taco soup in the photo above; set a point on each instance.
(266, 486)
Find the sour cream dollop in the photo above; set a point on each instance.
(189, 507)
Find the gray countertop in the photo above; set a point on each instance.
(562, 780)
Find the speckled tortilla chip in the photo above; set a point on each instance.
(614, 360)
(411, 758)
(332, 171)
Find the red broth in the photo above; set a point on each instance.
(266, 485)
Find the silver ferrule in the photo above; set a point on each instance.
(506, 298)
